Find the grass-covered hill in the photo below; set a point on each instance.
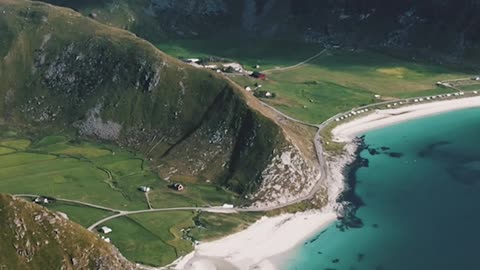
(32, 237)
(61, 72)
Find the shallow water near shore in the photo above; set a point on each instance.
(421, 201)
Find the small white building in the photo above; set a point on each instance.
(145, 189)
(105, 230)
(41, 200)
(377, 96)
(248, 88)
(106, 239)
(193, 60)
(227, 206)
(268, 94)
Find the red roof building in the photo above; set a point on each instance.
(259, 75)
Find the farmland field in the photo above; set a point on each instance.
(336, 81)
(109, 176)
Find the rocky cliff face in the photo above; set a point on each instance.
(445, 25)
(32, 237)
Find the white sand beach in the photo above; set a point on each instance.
(381, 118)
(252, 248)
(255, 247)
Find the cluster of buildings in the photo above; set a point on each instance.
(174, 186)
(43, 200)
(351, 114)
(105, 230)
(399, 103)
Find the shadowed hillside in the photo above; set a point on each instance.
(445, 25)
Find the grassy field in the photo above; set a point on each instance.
(84, 216)
(340, 80)
(266, 53)
(152, 239)
(109, 176)
(334, 82)
(158, 238)
(88, 172)
(214, 226)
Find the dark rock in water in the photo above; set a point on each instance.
(318, 235)
(466, 174)
(427, 151)
(395, 154)
(349, 220)
(319, 252)
(384, 148)
(335, 260)
(349, 199)
(375, 226)
(373, 152)
(360, 257)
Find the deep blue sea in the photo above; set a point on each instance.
(420, 188)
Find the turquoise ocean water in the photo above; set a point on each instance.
(418, 198)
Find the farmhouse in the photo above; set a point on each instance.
(106, 239)
(264, 94)
(105, 230)
(41, 200)
(177, 186)
(258, 75)
(145, 189)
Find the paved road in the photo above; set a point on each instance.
(296, 65)
(74, 202)
(287, 116)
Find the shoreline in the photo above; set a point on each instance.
(269, 242)
(346, 132)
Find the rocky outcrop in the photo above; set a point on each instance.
(34, 238)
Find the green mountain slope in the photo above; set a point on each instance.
(31, 237)
(61, 72)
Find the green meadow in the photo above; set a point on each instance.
(108, 176)
(336, 81)
(249, 52)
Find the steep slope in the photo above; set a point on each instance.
(446, 25)
(61, 72)
(31, 237)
